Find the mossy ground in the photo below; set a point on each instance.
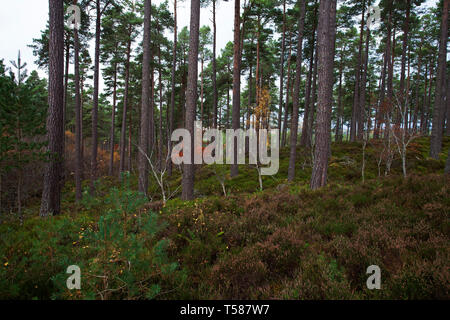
(285, 242)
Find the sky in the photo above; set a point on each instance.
(23, 20)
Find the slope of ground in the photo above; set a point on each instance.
(285, 242)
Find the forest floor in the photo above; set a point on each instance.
(284, 242)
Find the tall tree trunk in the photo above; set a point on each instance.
(78, 118)
(403, 63)
(51, 194)
(172, 94)
(151, 119)
(145, 104)
(296, 96)
(95, 99)
(439, 103)
(214, 67)
(390, 78)
(125, 106)
(381, 98)
(424, 101)
(201, 88)
(288, 87)
(249, 106)
(362, 94)
(191, 98)
(283, 37)
(66, 86)
(130, 134)
(312, 107)
(428, 104)
(326, 45)
(160, 127)
(113, 121)
(236, 81)
(447, 94)
(305, 128)
(356, 99)
(417, 102)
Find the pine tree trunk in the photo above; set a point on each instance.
(236, 81)
(447, 94)
(305, 128)
(283, 38)
(214, 67)
(191, 98)
(201, 88)
(362, 95)
(326, 45)
(312, 107)
(430, 87)
(113, 120)
(172, 94)
(160, 128)
(356, 99)
(288, 87)
(123, 132)
(66, 86)
(130, 133)
(95, 99)
(417, 98)
(145, 104)
(403, 63)
(151, 118)
(296, 96)
(439, 100)
(51, 194)
(78, 120)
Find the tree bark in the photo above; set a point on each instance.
(283, 37)
(172, 95)
(95, 99)
(404, 53)
(51, 194)
(78, 119)
(214, 67)
(439, 102)
(296, 96)
(113, 120)
(191, 98)
(362, 94)
(356, 108)
(312, 107)
(160, 127)
(447, 94)
(125, 106)
(288, 91)
(305, 128)
(236, 81)
(326, 48)
(145, 104)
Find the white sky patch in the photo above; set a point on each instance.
(23, 20)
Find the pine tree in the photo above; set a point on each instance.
(326, 44)
(191, 98)
(51, 194)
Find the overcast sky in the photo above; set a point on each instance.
(22, 20)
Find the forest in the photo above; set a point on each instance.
(354, 94)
